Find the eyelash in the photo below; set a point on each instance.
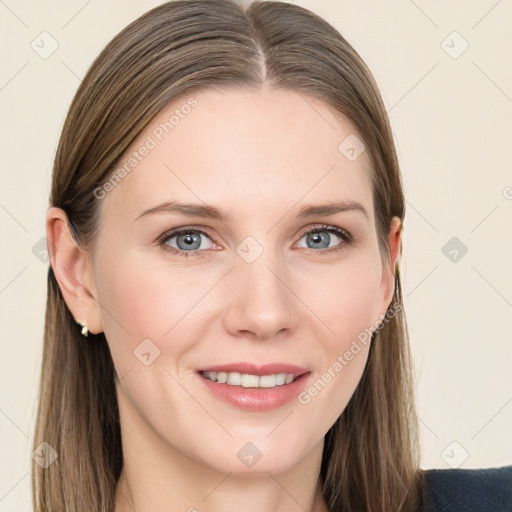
(347, 239)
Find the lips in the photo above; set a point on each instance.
(253, 369)
(256, 399)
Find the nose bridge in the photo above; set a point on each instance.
(258, 269)
(261, 300)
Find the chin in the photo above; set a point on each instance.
(257, 457)
(261, 467)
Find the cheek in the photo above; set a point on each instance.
(147, 297)
(141, 302)
(347, 301)
(348, 310)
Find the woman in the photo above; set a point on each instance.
(224, 227)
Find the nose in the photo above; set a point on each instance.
(260, 302)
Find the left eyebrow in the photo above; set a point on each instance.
(209, 211)
(331, 209)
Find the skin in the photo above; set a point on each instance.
(258, 156)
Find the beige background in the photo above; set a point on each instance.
(452, 122)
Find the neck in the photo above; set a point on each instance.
(234, 495)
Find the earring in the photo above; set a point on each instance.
(84, 331)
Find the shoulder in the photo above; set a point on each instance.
(469, 490)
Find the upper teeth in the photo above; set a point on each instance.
(250, 381)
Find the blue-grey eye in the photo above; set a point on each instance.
(321, 239)
(187, 241)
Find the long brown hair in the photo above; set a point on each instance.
(371, 454)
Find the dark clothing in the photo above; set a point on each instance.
(470, 490)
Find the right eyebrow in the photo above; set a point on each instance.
(190, 209)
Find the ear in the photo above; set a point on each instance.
(73, 271)
(389, 266)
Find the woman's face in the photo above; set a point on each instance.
(255, 287)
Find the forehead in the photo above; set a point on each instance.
(244, 149)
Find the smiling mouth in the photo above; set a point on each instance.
(247, 380)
